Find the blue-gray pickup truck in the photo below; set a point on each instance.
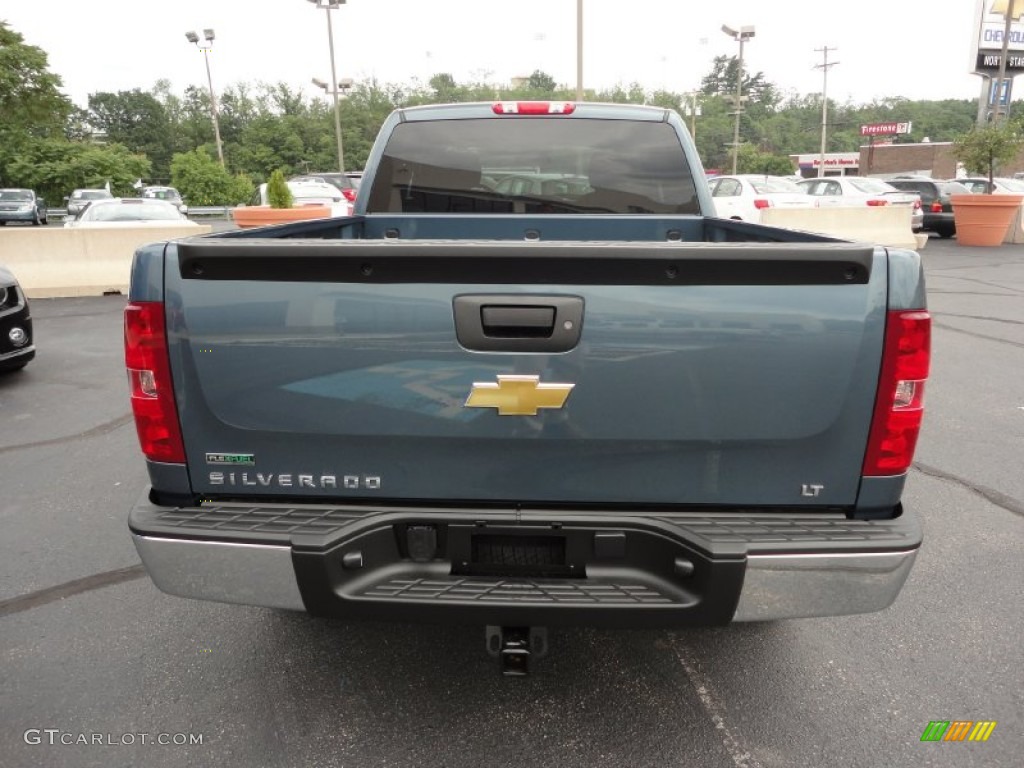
(532, 381)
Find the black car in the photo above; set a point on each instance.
(16, 347)
(938, 210)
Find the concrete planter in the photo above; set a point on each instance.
(247, 216)
(984, 219)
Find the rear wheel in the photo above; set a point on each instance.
(36, 221)
(945, 232)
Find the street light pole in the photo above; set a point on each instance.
(328, 6)
(740, 35)
(824, 104)
(208, 36)
(579, 50)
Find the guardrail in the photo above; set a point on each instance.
(199, 212)
(210, 211)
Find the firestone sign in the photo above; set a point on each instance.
(887, 129)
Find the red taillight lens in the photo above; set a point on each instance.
(533, 108)
(936, 207)
(349, 194)
(149, 381)
(876, 202)
(917, 205)
(899, 404)
(761, 203)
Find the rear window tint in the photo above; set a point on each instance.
(533, 165)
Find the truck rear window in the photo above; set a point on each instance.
(533, 165)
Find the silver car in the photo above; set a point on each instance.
(76, 202)
(832, 191)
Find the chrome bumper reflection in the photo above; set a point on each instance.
(249, 574)
(796, 586)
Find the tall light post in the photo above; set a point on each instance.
(328, 6)
(206, 47)
(824, 67)
(741, 36)
(694, 112)
(579, 50)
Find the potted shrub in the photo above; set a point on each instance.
(985, 219)
(279, 208)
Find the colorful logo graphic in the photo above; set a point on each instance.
(958, 730)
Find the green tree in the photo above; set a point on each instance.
(31, 104)
(541, 81)
(722, 80)
(984, 149)
(54, 167)
(138, 121)
(278, 194)
(751, 160)
(202, 181)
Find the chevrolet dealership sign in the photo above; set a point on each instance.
(988, 45)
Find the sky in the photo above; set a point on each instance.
(884, 48)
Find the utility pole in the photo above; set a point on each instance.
(999, 112)
(579, 50)
(824, 67)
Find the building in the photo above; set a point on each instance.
(933, 159)
(836, 164)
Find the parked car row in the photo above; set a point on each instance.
(935, 200)
(744, 196)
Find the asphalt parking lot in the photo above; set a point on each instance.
(90, 648)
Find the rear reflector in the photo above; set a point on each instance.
(534, 108)
(149, 382)
(761, 203)
(899, 403)
(876, 203)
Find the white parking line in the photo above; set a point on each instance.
(740, 755)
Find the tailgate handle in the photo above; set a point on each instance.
(518, 322)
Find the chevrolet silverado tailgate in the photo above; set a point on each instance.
(526, 373)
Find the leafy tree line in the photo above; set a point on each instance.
(48, 143)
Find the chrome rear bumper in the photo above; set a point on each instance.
(740, 569)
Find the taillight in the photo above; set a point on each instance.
(533, 108)
(761, 203)
(149, 382)
(349, 194)
(875, 202)
(936, 207)
(917, 205)
(899, 404)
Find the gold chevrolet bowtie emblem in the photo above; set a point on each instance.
(518, 395)
(1002, 7)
